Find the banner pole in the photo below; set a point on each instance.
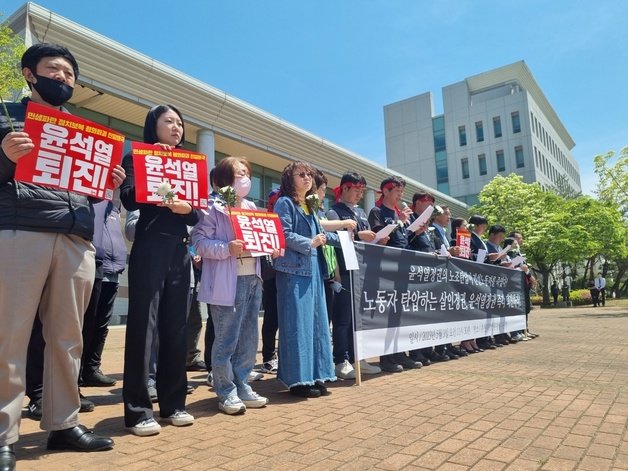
(358, 375)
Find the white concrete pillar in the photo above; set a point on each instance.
(369, 200)
(205, 143)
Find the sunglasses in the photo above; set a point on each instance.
(303, 174)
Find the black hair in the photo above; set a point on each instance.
(476, 219)
(352, 177)
(496, 229)
(455, 224)
(37, 52)
(422, 196)
(150, 124)
(397, 181)
(319, 178)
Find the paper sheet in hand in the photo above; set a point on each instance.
(385, 232)
(422, 219)
(481, 256)
(443, 251)
(504, 251)
(348, 250)
(518, 260)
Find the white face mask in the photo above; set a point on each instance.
(242, 186)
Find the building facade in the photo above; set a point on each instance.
(495, 123)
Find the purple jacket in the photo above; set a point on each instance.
(210, 238)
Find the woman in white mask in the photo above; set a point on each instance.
(232, 286)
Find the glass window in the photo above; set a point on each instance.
(482, 164)
(497, 126)
(516, 123)
(462, 135)
(438, 128)
(501, 163)
(465, 168)
(519, 157)
(479, 131)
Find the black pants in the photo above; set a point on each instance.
(96, 325)
(342, 322)
(595, 296)
(270, 323)
(159, 284)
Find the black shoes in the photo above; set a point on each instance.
(98, 379)
(34, 410)
(306, 391)
(78, 438)
(437, 357)
(7, 458)
(405, 362)
(389, 364)
(86, 404)
(321, 388)
(416, 355)
(197, 366)
(459, 352)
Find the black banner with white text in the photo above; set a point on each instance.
(404, 300)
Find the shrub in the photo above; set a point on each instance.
(580, 297)
(536, 300)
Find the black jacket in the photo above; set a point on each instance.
(29, 207)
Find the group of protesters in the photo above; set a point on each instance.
(60, 301)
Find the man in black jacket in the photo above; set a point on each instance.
(48, 264)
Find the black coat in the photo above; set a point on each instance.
(29, 207)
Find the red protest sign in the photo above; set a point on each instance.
(70, 153)
(261, 232)
(184, 170)
(463, 240)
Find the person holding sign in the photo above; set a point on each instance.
(231, 285)
(305, 357)
(159, 283)
(45, 236)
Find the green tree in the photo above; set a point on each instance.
(11, 49)
(612, 190)
(612, 186)
(551, 237)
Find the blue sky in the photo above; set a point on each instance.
(329, 66)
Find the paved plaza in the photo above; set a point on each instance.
(558, 402)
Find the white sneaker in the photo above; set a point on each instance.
(368, 369)
(145, 428)
(180, 418)
(255, 376)
(210, 379)
(253, 400)
(232, 406)
(344, 370)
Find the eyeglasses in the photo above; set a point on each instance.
(303, 174)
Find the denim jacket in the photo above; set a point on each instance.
(298, 234)
(210, 238)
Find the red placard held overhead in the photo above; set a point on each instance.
(70, 153)
(463, 240)
(261, 232)
(184, 170)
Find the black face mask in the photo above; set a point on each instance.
(52, 91)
